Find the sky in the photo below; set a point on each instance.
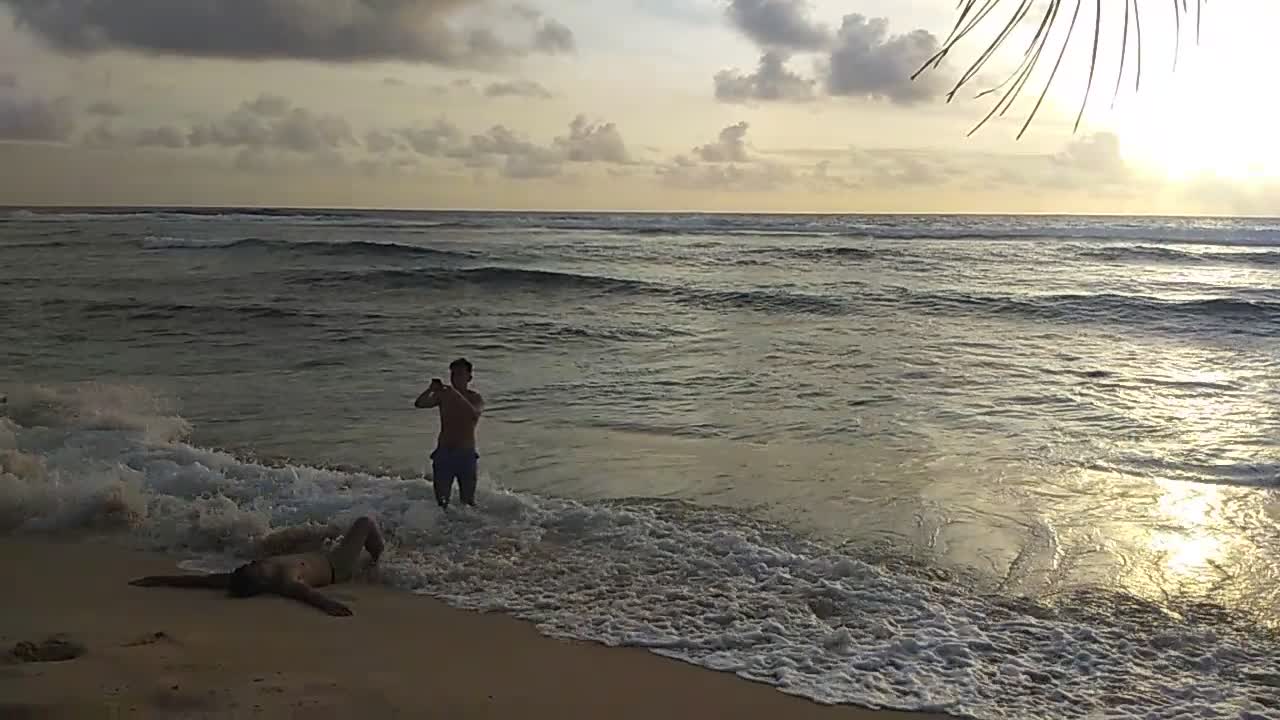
(659, 105)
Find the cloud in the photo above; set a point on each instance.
(267, 123)
(460, 85)
(36, 120)
(322, 30)
(770, 82)
(1090, 165)
(766, 177)
(867, 62)
(503, 148)
(518, 88)
(778, 24)
(8, 80)
(467, 87)
(1097, 154)
(158, 137)
(433, 140)
(271, 122)
(730, 146)
(379, 141)
(589, 142)
(862, 60)
(725, 164)
(105, 108)
(554, 37)
(268, 106)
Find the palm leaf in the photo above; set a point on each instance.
(974, 14)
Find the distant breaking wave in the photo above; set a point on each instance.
(1168, 255)
(315, 247)
(1244, 232)
(188, 313)
(1258, 316)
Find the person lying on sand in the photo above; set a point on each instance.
(293, 576)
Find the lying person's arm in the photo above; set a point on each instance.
(304, 593)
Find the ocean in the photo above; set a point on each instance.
(998, 467)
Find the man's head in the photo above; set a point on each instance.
(246, 581)
(460, 373)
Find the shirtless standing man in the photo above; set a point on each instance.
(455, 455)
(293, 576)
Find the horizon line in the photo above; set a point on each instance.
(565, 211)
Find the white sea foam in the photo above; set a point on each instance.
(708, 587)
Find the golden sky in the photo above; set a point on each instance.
(742, 105)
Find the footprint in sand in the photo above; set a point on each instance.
(56, 648)
(149, 639)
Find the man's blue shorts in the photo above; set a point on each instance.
(448, 464)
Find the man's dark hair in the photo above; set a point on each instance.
(463, 363)
(243, 584)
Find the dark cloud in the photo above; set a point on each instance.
(518, 88)
(324, 30)
(271, 122)
(861, 60)
(867, 62)
(36, 120)
(105, 108)
(770, 82)
(782, 24)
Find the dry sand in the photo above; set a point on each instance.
(162, 652)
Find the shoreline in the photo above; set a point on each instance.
(163, 652)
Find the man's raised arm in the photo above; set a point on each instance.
(428, 399)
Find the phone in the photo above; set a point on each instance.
(436, 382)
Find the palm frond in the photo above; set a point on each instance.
(974, 14)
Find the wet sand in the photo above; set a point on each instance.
(162, 652)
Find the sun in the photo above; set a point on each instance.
(1211, 117)
(1189, 138)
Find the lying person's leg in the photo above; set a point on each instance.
(217, 580)
(362, 535)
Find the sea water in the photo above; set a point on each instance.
(1000, 467)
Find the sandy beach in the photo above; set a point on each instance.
(196, 654)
